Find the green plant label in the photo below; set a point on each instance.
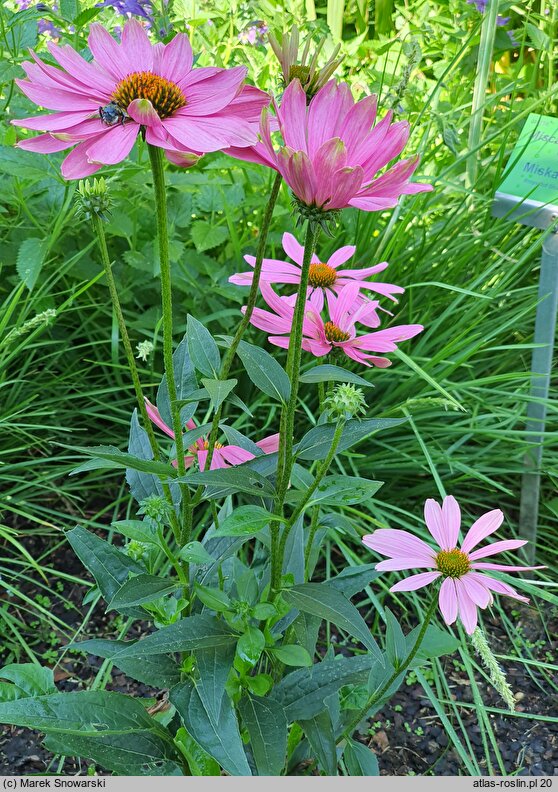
(532, 170)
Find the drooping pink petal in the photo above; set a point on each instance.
(397, 543)
(114, 145)
(269, 445)
(235, 455)
(467, 608)
(482, 528)
(498, 586)
(76, 165)
(415, 582)
(476, 591)
(143, 112)
(447, 600)
(155, 417)
(45, 144)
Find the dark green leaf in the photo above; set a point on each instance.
(187, 635)
(110, 728)
(316, 443)
(137, 530)
(267, 726)
(329, 373)
(200, 763)
(244, 521)
(159, 670)
(186, 384)
(396, 645)
(344, 491)
(354, 579)
(319, 732)
(195, 553)
(142, 589)
(108, 565)
(221, 739)
(328, 603)
(214, 666)
(114, 458)
(302, 693)
(30, 258)
(25, 679)
(206, 236)
(204, 352)
(213, 598)
(69, 9)
(360, 760)
(227, 481)
(436, 642)
(264, 371)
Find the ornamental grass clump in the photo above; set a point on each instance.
(215, 562)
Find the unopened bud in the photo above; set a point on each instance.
(303, 68)
(144, 349)
(93, 199)
(345, 401)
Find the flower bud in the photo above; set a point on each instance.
(144, 349)
(345, 401)
(156, 507)
(93, 199)
(303, 69)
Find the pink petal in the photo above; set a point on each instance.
(435, 522)
(106, 51)
(451, 515)
(497, 547)
(298, 173)
(341, 255)
(176, 58)
(326, 113)
(467, 608)
(235, 455)
(503, 567)
(415, 581)
(498, 586)
(53, 122)
(269, 444)
(476, 590)
(57, 99)
(293, 249)
(347, 183)
(447, 600)
(213, 94)
(395, 543)
(292, 116)
(248, 104)
(399, 564)
(136, 53)
(114, 145)
(482, 528)
(85, 72)
(155, 417)
(76, 165)
(45, 144)
(143, 112)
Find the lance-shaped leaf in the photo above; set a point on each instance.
(267, 726)
(204, 352)
(187, 635)
(316, 443)
(321, 600)
(329, 373)
(158, 670)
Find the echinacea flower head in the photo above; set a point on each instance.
(338, 332)
(223, 455)
(101, 106)
(462, 570)
(324, 276)
(333, 151)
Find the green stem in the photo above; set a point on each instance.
(286, 432)
(322, 470)
(310, 542)
(157, 168)
(375, 697)
(102, 242)
(250, 305)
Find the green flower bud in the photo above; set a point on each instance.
(345, 401)
(93, 199)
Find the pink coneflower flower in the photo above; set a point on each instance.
(103, 105)
(338, 332)
(333, 150)
(464, 587)
(323, 276)
(223, 455)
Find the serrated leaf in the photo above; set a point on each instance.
(142, 589)
(69, 9)
(204, 352)
(322, 600)
(206, 236)
(30, 258)
(266, 724)
(316, 443)
(330, 373)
